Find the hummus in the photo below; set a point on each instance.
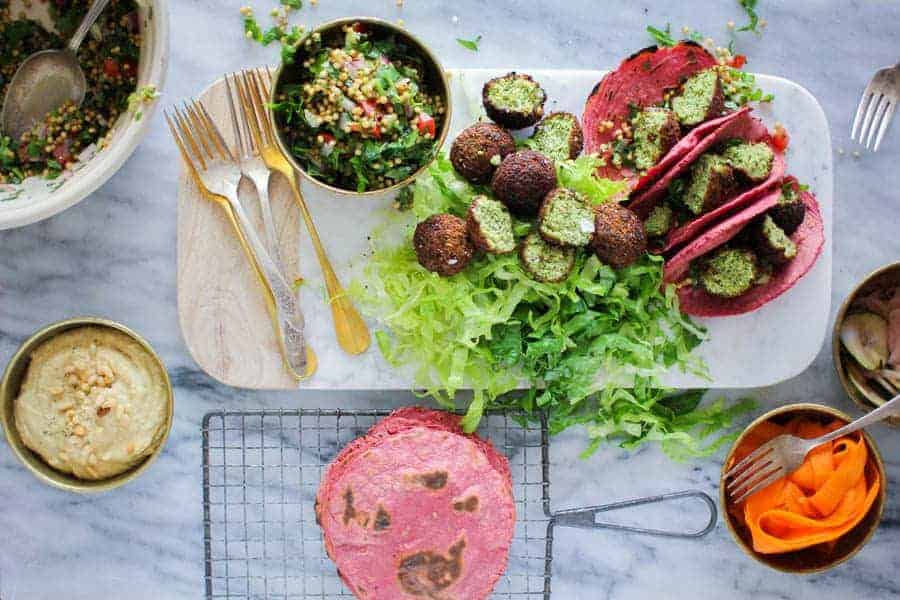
(94, 402)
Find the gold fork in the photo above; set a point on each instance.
(206, 157)
(253, 92)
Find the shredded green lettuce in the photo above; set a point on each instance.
(493, 327)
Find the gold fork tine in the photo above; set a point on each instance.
(190, 122)
(202, 130)
(248, 108)
(259, 103)
(214, 132)
(181, 147)
(186, 133)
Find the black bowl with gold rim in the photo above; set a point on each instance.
(884, 278)
(814, 559)
(433, 78)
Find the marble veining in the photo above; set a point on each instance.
(114, 255)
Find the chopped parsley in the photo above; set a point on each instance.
(469, 44)
(749, 7)
(662, 37)
(741, 88)
(140, 97)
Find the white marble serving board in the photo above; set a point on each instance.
(227, 331)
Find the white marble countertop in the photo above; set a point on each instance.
(113, 255)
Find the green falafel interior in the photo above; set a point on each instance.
(698, 94)
(516, 94)
(494, 326)
(553, 136)
(566, 218)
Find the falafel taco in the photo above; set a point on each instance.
(728, 171)
(653, 109)
(752, 257)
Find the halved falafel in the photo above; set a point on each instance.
(544, 261)
(514, 100)
(522, 180)
(729, 272)
(656, 130)
(442, 244)
(558, 136)
(701, 98)
(478, 149)
(566, 219)
(771, 242)
(660, 221)
(753, 161)
(790, 211)
(490, 226)
(711, 182)
(619, 237)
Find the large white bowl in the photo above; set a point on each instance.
(37, 199)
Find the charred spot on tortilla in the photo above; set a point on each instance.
(349, 510)
(382, 519)
(427, 573)
(435, 480)
(469, 504)
(650, 49)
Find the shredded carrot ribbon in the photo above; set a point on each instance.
(820, 502)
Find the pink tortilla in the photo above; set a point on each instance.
(809, 237)
(686, 233)
(642, 79)
(417, 511)
(678, 266)
(695, 137)
(742, 125)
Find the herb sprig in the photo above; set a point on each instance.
(469, 44)
(749, 7)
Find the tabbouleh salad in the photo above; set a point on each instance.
(109, 57)
(361, 115)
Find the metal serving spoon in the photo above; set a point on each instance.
(47, 80)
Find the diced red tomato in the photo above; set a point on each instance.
(738, 61)
(376, 131)
(360, 27)
(327, 138)
(111, 68)
(426, 125)
(780, 138)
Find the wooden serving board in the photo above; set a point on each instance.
(228, 332)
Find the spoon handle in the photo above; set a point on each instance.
(87, 22)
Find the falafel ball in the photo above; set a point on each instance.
(522, 180)
(559, 136)
(478, 149)
(514, 100)
(544, 261)
(490, 226)
(442, 244)
(619, 237)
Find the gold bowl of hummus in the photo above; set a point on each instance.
(86, 404)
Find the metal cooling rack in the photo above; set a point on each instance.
(261, 471)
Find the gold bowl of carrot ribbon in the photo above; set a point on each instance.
(822, 514)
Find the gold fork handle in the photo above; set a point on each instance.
(299, 359)
(352, 332)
